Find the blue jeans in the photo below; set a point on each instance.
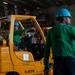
(64, 66)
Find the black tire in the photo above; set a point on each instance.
(12, 73)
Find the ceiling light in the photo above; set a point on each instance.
(5, 3)
(57, 3)
(24, 9)
(38, 8)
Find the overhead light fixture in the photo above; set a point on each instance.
(38, 8)
(57, 3)
(24, 9)
(5, 2)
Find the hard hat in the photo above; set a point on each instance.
(63, 12)
(16, 23)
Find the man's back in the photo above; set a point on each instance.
(62, 41)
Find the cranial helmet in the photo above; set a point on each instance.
(16, 23)
(63, 12)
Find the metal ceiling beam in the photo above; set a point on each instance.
(24, 2)
(11, 2)
(40, 3)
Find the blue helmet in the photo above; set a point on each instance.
(63, 13)
(16, 23)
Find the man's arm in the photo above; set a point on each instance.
(19, 32)
(47, 50)
(73, 32)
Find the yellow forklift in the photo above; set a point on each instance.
(16, 62)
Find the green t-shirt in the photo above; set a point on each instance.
(62, 40)
(17, 34)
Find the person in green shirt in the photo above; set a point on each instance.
(18, 35)
(62, 40)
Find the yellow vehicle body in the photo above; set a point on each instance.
(21, 62)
